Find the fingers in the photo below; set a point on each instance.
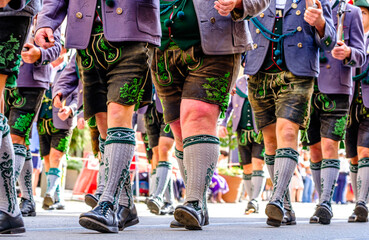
(319, 4)
(45, 38)
(28, 45)
(57, 102)
(224, 7)
(340, 43)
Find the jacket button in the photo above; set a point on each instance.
(298, 12)
(299, 28)
(328, 66)
(236, 105)
(255, 46)
(119, 11)
(80, 91)
(212, 20)
(262, 15)
(299, 45)
(257, 30)
(79, 15)
(234, 116)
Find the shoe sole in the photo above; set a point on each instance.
(275, 215)
(129, 224)
(313, 221)
(90, 201)
(324, 216)
(96, 225)
(289, 223)
(153, 207)
(48, 202)
(30, 214)
(351, 220)
(187, 219)
(176, 226)
(14, 231)
(361, 214)
(250, 211)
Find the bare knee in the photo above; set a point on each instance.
(363, 152)
(119, 115)
(316, 153)
(17, 139)
(247, 169)
(329, 148)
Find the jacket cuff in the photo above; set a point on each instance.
(240, 14)
(351, 62)
(326, 40)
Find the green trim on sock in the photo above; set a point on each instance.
(269, 159)
(330, 163)
(364, 162)
(354, 168)
(315, 166)
(101, 144)
(258, 173)
(20, 150)
(153, 172)
(164, 164)
(287, 153)
(121, 135)
(55, 171)
(246, 176)
(178, 154)
(200, 139)
(28, 155)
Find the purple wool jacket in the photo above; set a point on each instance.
(335, 75)
(128, 20)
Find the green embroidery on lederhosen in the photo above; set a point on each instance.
(208, 177)
(8, 51)
(41, 127)
(19, 101)
(6, 168)
(340, 126)
(51, 128)
(87, 61)
(23, 122)
(111, 53)
(216, 90)
(328, 105)
(63, 144)
(189, 60)
(163, 76)
(131, 91)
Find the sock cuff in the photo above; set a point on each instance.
(46, 173)
(178, 154)
(258, 173)
(315, 166)
(153, 172)
(28, 155)
(287, 153)
(364, 162)
(200, 139)
(354, 168)
(54, 171)
(121, 135)
(101, 144)
(20, 149)
(164, 164)
(330, 163)
(269, 159)
(246, 176)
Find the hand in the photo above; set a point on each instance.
(224, 7)
(222, 132)
(233, 91)
(341, 51)
(64, 113)
(81, 123)
(3, 3)
(57, 101)
(32, 54)
(45, 38)
(314, 16)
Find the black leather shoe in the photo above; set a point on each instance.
(176, 224)
(314, 218)
(190, 215)
(323, 214)
(11, 225)
(155, 204)
(275, 213)
(352, 217)
(102, 218)
(92, 200)
(289, 218)
(168, 208)
(127, 216)
(57, 206)
(252, 207)
(27, 208)
(361, 212)
(48, 202)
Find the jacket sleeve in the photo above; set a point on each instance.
(356, 41)
(328, 41)
(74, 102)
(68, 80)
(250, 8)
(52, 14)
(227, 114)
(51, 54)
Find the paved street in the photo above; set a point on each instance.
(227, 222)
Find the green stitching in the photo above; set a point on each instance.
(131, 91)
(63, 144)
(111, 54)
(208, 177)
(216, 90)
(8, 51)
(328, 104)
(41, 129)
(86, 59)
(340, 126)
(163, 76)
(23, 122)
(6, 168)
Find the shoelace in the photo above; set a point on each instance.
(105, 208)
